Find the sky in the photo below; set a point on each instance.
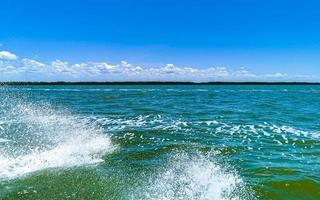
(160, 40)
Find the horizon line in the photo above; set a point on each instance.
(155, 83)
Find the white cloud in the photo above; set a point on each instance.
(32, 66)
(277, 75)
(61, 67)
(57, 70)
(6, 55)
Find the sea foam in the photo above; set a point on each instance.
(193, 177)
(35, 137)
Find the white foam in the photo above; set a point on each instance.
(64, 155)
(2, 140)
(193, 177)
(49, 139)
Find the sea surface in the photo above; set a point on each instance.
(160, 142)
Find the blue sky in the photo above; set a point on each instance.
(200, 40)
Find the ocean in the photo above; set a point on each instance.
(165, 142)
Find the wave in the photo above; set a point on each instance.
(213, 126)
(35, 137)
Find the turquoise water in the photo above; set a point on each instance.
(159, 142)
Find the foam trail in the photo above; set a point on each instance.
(39, 137)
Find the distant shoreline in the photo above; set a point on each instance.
(159, 83)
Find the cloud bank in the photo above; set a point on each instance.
(12, 68)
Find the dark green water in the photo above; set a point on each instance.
(160, 142)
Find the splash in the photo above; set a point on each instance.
(194, 177)
(35, 137)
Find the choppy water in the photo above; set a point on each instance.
(160, 142)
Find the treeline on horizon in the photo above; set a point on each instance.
(158, 83)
